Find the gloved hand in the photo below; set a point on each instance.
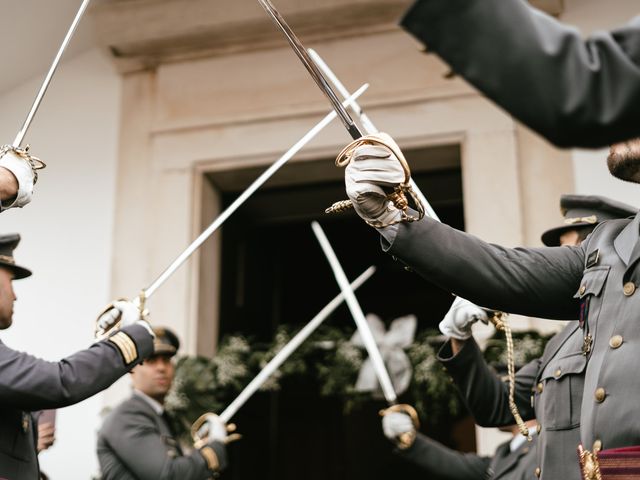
(124, 311)
(214, 429)
(460, 317)
(371, 174)
(395, 424)
(24, 173)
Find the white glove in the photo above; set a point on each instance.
(214, 430)
(371, 170)
(460, 317)
(396, 424)
(126, 312)
(22, 170)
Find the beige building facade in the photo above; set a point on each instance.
(196, 98)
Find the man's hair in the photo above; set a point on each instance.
(624, 160)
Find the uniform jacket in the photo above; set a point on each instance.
(548, 389)
(595, 281)
(135, 443)
(574, 92)
(447, 464)
(28, 384)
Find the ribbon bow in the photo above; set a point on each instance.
(391, 344)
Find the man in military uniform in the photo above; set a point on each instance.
(28, 384)
(594, 283)
(137, 440)
(548, 388)
(572, 91)
(513, 460)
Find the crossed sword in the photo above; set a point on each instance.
(16, 146)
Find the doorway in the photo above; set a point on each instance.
(274, 273)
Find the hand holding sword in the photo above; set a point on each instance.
(105, 326)
(19, 172)
(398, 194)
(375, 203)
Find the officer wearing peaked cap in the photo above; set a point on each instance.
(28, 384)
(548, 388)
(137, 440)
(582, 213)
(595, 283)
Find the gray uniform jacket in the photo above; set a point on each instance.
(573, 92)
(548, 388)
(447, 464)
(135, 443)
(596, 280)
(28, 384)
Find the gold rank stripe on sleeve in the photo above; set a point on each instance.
(126, 346)
(210, 457)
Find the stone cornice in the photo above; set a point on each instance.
(142, 34)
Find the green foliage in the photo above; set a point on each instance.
(332, 363)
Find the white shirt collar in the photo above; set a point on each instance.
(157, 406)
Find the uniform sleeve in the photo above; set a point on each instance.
(134, 439)
(485, 395)
(447, 464)
(29, 383)
(538, 282)
(575, 92)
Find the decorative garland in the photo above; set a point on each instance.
(209, 384)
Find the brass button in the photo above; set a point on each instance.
(597, 446)
(538, 428)
(600, 394)
(558, 372)
(616, 341)
(538, 472)
(540, 388)
(583, 289)
(629, 289)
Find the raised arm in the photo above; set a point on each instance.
(540, 282)
(484, 393)
(574, 92)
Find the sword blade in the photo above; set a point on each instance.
(217, 223)
(289, 348)
(311, 67)
(366, 122)
(17, 142)
(356, 311)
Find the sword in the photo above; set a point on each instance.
(150, 290)
(17, 142)
(291, 347)
(356, 311)
(498, 319)
(299, 49)
(280, 358)
(365, 121)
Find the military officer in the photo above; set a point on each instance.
(17, 178)
(548, 388)
(594, 283)
(28, 384)
(572, 91)
(137, 440)
(513, 460)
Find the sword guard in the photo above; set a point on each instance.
(34, 162)
(406, 439)
(400, 192)
(200, 438)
